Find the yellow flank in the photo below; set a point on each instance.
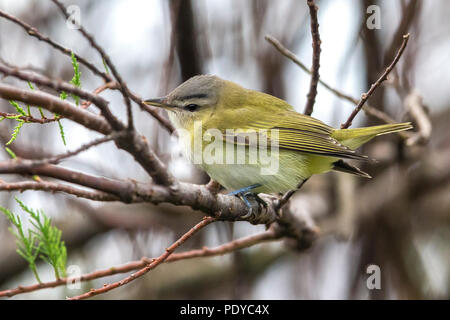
(306, 145)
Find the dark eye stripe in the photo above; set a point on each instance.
(194, 96)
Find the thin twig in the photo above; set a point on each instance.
(311, 97)
(57, 187)
(285, 198)
(107, 85)
(105, 57)
(268, 235)
(149, 266)
(28, 118)
(101, 103)
(84, 147)
(370, 110)
(32, 31)
(383, 77)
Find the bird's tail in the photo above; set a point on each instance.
(354, 138)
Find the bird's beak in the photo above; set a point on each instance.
(159, 103)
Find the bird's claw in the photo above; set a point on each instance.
(244, 193)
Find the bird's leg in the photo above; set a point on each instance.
(244, 193)
(244, 190)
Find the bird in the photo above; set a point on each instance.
(225, 114)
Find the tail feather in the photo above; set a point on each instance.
(353, 138)
(343, 166)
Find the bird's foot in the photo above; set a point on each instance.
(245, 194)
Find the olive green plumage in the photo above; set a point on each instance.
(307, 146)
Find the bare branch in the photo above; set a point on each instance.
(84, 147)
(316, 58)
(149, 266)
(366, 96)
(35, 33)
(123, 86)
(269, 235)
(368, 109)
(57, 187)
(414, 105)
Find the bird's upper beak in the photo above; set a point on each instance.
(159, 102)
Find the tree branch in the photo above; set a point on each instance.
(149, 266)
(32, 31)
(123, 86)
(57, 187)
(101, 103)
(269, 235)
(366, 96)
(368, 109)
(55, 104)
(311, 97)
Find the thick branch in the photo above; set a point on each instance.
(101, 103)
(55, 104)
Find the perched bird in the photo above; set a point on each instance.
(220, 110)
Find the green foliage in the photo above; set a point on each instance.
(43, 240)
(16, 131)
(63, 95)
(76, 80)
(18, 108)
(27, 246)
(11, 153)
(61, 132)
(106, 66)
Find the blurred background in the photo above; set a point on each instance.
(399, 220)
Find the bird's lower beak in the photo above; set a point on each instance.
(159, 103)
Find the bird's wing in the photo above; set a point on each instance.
(293, 131)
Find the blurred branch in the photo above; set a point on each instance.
(149, 266)
(32, 31)
(368, 109)
(270, 235)
(366, 96)
(311, 97)
(107, 60)
(415, 107)
(106, 77)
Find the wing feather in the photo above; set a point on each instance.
(296, 132)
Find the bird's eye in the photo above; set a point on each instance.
(191, 107)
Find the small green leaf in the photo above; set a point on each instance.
(61, 132)
(16, 131)
(76, 80)
(11, 153)
(63, 95)
(106, 66)
(41, 112)
(18, 108)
